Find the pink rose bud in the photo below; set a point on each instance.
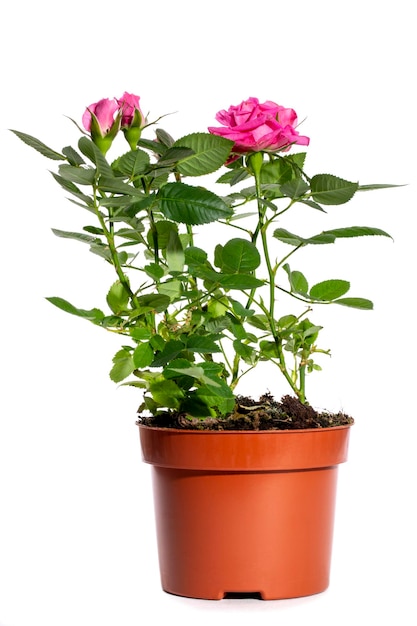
(129, 105)
(256, 127)
(104, 111)
(133, 119)
(99, 119)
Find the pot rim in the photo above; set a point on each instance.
(203, 431)
(246, 450)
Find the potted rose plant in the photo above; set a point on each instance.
(256, 476)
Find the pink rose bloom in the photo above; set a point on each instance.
(104, 111)
(256, 127)
(128, 103)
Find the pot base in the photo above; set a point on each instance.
(228, 533)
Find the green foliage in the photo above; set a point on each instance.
(237, 256)
(208, 153)
(191, 205)
(194, 321)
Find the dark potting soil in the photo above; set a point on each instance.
(249, 414)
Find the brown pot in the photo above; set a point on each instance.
(244, 512)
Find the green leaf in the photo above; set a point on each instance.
(163, 230)
(157, 147)
(328, 189)
(355, 231)
(278, 171)
(209, 153)
(139, 333)
(186, 373)
(174, 253)
(102, 250)
(173, 155)
(93, 152)
(154, 301)
(211, 369)
(195, 257)
(72, 156)
(132, 163)
(178, 369)
(117, 298)
(329, 290)
(233, 281)
(39, 146)
(356, 303)
(143, 355)
(217, 324)
(298, 282)
(219, 395)
(311, 332)
(171, 350)
(240, 310)
(378, 186)
(157, 342)
(95, 230)
(123, 365)
(296, 240)
(259, 321)
(327, 236)
(133, 234)
(78, 175)
(295, 188)
(201, 344)
(269, 350)
(234, 176)
(237, 327)
(83, 238)
(93, 315)
(170, 288)
(73, 189)
(164, 137)
(191, 205)
(247, 353)
(115, 185)
(286, 321)
(154, 270)
(166, 393)
(237, 256)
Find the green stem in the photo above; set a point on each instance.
(235, 372)
(302, 394)
(154, 236)
(255, 161)
(109, 234)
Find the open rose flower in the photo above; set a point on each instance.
(256, 127)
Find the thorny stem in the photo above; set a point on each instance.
(302, 370)
(255, 161)
(109, 234)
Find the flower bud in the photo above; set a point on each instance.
(99, 119)
(132, 118)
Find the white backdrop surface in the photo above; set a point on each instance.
(77, 544)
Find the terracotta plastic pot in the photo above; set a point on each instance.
(244, 512)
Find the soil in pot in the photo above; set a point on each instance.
(266, 413)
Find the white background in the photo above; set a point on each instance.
(76, 521)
